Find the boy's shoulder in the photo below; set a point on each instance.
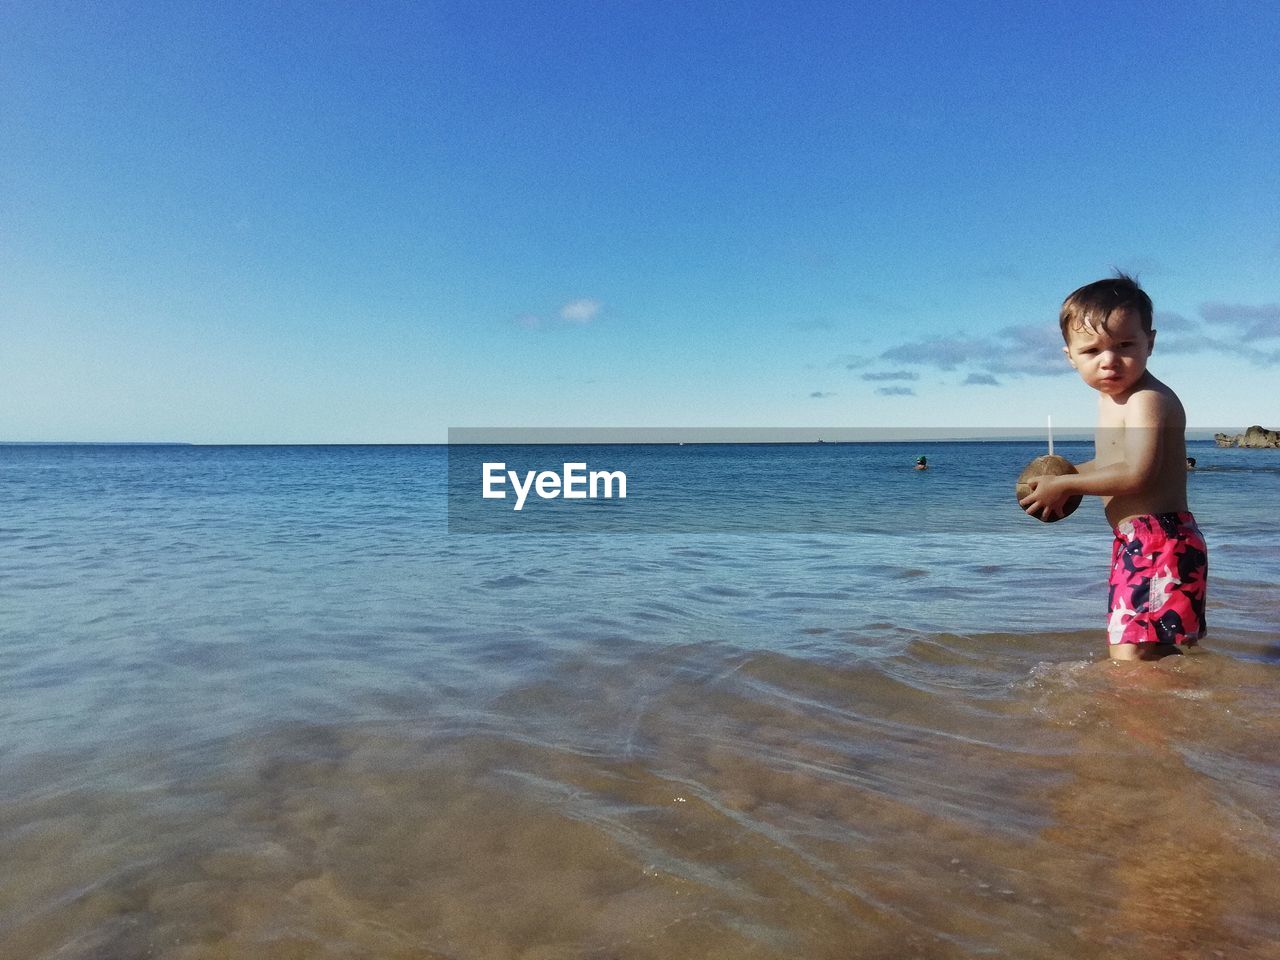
(1152, 402)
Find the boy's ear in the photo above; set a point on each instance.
(1066, 351)
(1151, 342)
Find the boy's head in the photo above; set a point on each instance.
(1107, 329)
(1093, 306)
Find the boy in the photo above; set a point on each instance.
(1159, 561)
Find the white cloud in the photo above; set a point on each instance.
(1167, 320)
(892, 375)
(944, 353)
(583, 310)
(1249, 331)
(1035, 350)
(851, 361)
(1256, 322)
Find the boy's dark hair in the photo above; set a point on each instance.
(1093, 305)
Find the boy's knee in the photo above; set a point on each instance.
(1143, 651)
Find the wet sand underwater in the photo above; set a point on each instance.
(964, 796)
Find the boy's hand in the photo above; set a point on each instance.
(1047, 497)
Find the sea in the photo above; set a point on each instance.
(290, 702)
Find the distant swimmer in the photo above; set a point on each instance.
(1191, 463)
(922, 463)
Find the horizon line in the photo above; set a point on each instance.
(1203, 435)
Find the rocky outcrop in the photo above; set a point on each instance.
(1255, 436)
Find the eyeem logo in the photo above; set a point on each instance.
(573, 483)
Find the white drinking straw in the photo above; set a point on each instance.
(1051, 435)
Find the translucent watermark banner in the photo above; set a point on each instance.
(744, 480)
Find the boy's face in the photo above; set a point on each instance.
(1111, 361)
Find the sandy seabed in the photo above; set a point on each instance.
(952, 801)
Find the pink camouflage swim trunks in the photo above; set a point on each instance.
(1159, 567)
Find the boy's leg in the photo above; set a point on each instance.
(1143, 651)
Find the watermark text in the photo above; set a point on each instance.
(574, 482)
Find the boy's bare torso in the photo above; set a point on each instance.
(1167, 493)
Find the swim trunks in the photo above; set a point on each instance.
(1159, 568)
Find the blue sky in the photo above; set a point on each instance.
(372, 222)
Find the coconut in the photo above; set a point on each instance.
(1048, 466)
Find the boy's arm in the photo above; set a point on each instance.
(1137, 467)
(1135, 470)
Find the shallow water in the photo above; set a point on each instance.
(258, 703)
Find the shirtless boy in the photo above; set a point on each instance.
(1159, 561)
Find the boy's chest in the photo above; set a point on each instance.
(1108, 441)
